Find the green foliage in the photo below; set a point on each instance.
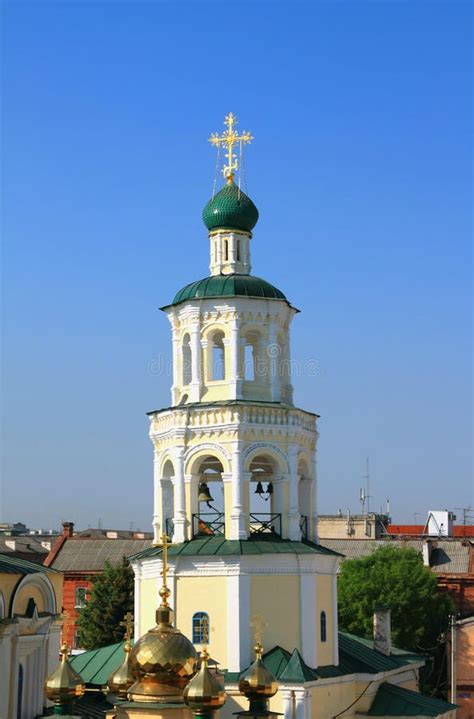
(398, 578)
(111, 598)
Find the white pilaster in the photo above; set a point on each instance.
(307, 619)
(301, 704)
(179, 519)
(157, 504)
(136, 600)
(274, 357)
(288, 703)
(335, 622)
(238, 622)
(235, 378)
(176, 363)
(294, 531)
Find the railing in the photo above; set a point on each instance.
(169, 527)
(265, 523)
(207, 524)
(304, 526)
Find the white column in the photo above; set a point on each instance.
(157, 506)
(137, 570)
(195, 363)
(179, 519)
(301, 704)
(274, 357)
(176, 378)
(294, 531)
(237, 517)
(307, 619)
(313, 528)
(287, 696)
(235, 379)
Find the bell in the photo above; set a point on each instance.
(259, 489)
(204, 494)
(270, 488)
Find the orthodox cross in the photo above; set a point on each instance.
(259, 624)
(128, 624)
(228, 139)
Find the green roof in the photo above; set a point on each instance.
(228, 286)
(96, 666)
(230, 209)
(13, 565)
(395, 701)
(297, 671)
(220, 546)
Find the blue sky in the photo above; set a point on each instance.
(361, 169)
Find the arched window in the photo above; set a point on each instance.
(252, 367)
(226, 250)
(186, 357)
(201, 628)
(322, 622)
(238, 251)
(217, 357)
(80, 597)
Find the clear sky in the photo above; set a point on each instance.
(360, 168)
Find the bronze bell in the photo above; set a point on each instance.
(204, 494)
(259, 489)
(270, 488)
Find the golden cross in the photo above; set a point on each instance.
(258, 623)
(228, 139)
(128, 624)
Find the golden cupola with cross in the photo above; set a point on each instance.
(234, 458)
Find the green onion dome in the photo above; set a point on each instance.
(229, 286)
(230, 209)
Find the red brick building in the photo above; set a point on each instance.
(82, 556)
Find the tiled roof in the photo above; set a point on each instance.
(89, 555)
(448, 556)
(395, 701)
(220, 546)
(15, 565)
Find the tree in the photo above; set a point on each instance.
(111, 597)
(398, 578)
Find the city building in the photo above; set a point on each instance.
(30, 624)
(357, 526)
(82, 556)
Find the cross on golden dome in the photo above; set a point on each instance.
(128, 624)
(228, 139)
(164, 591)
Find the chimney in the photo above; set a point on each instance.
(382, 630)
(68, 529)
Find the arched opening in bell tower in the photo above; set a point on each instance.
(186, 360)
(167, 497)
(263, 517)
(209, 489)
(304, 496)
(216, 357)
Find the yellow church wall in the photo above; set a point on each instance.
(282, 630)
(8, 583)
(148, 604)
(208, 596)
(330, 699)
(324, 603)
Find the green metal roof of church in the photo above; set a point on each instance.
(395, 701)
(220, 546)
(14, 565)
(233, 285)
(96, 666)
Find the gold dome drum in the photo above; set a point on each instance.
(206, 690)
(64, 684)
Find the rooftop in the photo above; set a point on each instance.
(88, 554)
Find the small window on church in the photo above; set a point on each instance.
(226, 250)
(201, 628)
(323, 626)
(249, 363)
(238, 251)
(80, 597)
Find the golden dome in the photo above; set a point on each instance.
(122, 679)
(257, 682)
(204, 691)
(162, 661)
(64, 684)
